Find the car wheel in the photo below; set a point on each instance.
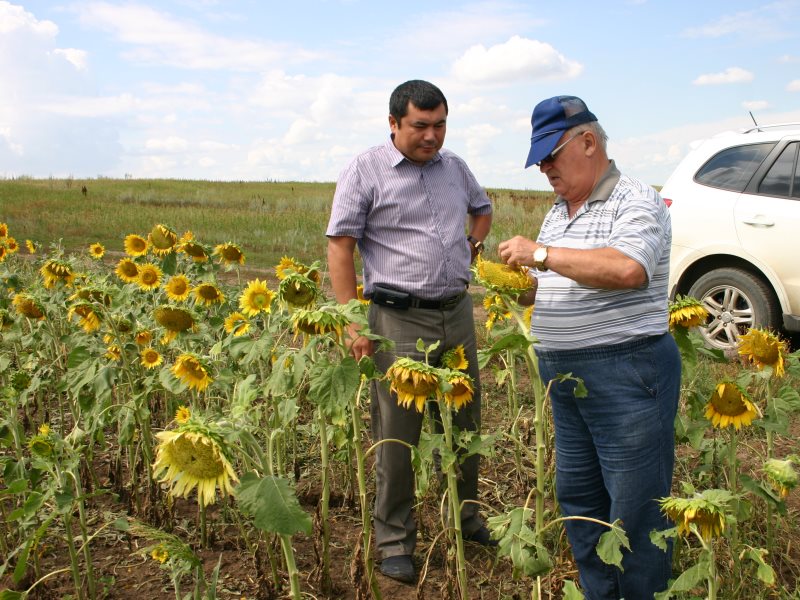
(736, 301)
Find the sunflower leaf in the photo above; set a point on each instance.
(271, 502)
(609, 548)
(571, 591)
(334, 384)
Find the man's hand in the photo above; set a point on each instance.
(518, 251)
(358, 344)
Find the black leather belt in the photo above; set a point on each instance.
(444, 304)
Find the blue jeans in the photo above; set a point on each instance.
(615, 451)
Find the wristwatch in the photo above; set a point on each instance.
(539, 256)
(476, 244)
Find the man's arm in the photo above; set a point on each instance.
(342, 269)
(479, 226)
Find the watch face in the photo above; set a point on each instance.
(540, 254)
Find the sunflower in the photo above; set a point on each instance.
(290, 265)
(178, 288)
(686, 312)
(3, 252)
(150, 358)
(54, 271)
(208, 294)
(705, 511)
(28, 306)
(174, 319)
(297, 290)
(413, 382)
(149, 276)
(3, 230)
(187, 236)
(31, 246)
(321, 321)
(42, 444)
(461, 392)
(12, 245)
(764, 349)
(256, 298)
(183, 414)
(527, 315)
(162, 239)
(781, 475)
(197, 251)
(89, 320)
(135, 245)
(160, 554)
(127, 270)
(455, 359)
(496, 309)
(143, 337)
(193, 456)
(91, 294)
(502, 278)
(229, 253)
(360, 294)
(113, 352)
(729, 405)
(189, 369)
(237, 324)
(97, 250)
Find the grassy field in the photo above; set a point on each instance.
(267, 220)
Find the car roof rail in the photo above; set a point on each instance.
(763, 127)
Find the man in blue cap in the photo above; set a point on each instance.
(602, 260)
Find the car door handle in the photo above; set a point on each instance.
(758, 221)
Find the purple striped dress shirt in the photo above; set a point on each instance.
(409, 221)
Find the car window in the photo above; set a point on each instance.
(732, 168)
(779, 179)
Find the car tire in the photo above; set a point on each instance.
(736, 300)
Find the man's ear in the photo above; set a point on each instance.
(589, 142)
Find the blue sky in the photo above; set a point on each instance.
(291, 90)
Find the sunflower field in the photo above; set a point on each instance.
(173, 427)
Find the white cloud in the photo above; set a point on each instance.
(75, 57)
(729, 75)
(170, 144)
(519, 59)
(766, 22)
(755, 105)
(793, 86)
(789, 59)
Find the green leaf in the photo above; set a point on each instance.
(171, 383)
(271, 502)
(514, 341)
(659, 538)
(764, 571)
(691, 577)
(122, 524)
(609, 547)
(10, 595)
(78, 356)
(571, 591)
(334, 385)
(517, 541)
(765, 492)
(169, 263)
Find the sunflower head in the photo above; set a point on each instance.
(150, 358)
(195, 250)
(687, 312)
(256, 298)
(183, 414)
(97, 250)
(149, 276)
(143, 337)
(57, 271)
(764, 349)
(455, 359)
(135, 245)
(461, 389)
(127, 270)
(502, 278)
(3, 251)
(88, 319)
(229, 254)
(704, 511)
(237, 324)
(496, 309)
(782, 475)
(159, 554)
(174, 318)
(178, 288)
(730, 405)
(194, 455)
(413, 382)
(288, 265)
(31, 246)
(191, 370)
(208, 294)
(114, 352)
(28, 306)
(43, 444)
(320, 321)
(297, 290)
(163, 239)
(3, 230)
(11, 244)
(360, 294)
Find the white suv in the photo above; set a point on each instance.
(735, 205)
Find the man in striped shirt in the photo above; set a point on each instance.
(601, 260)
(405, 205)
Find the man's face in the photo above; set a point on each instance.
(420, 134)
(567, 171)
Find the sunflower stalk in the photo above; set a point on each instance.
(325, 499)
(513, 407)
(87, 555)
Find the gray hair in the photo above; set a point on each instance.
(595, 128)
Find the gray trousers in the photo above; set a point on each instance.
(395, 525)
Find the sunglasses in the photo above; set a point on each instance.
(552, 156)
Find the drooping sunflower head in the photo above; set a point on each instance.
(706, 512)
(195, 250)
(143, 337)
(174, 318)
(97, 250)
(237, 324)
(194, 456)
(3, 251)
(150, 358)
(191, 370)
(57, 271)
(149, 276)
(6, 320)
(730, 405)
(88, 319)
(178, 288)
(3, 230)
(320, 321)
(360, 294)
(297, 290)
(256, 298)
(502, 278)
(413, 382)
(687, 312)
(288, 265)
(208, 294)
(43, 444)
(461, 390)
(159, 554)
(28, 306)
(782, 475)
(31, 246)
(163, 239)
(114, 352)
(764, 349)
(135, 245)
(496, 309)
(127, 270)
(455, 359)
(229, 254)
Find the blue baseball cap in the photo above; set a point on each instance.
(550, 119)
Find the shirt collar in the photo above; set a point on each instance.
(398, 157)
(603, 188)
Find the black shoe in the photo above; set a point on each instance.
(482, 537)
(399, 568)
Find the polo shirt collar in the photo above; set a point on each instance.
(397, 157)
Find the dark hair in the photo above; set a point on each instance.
(422, 94)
